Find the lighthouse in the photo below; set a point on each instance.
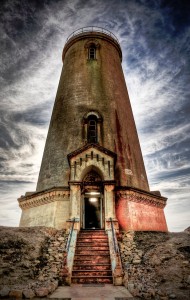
(92, 168)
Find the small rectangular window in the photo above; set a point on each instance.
(92, 53)
(92, 130)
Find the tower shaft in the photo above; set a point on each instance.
(92, 85)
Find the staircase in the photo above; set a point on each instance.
(92, 258)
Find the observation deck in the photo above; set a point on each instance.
(92, 32)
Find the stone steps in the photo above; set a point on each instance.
(90, 240)
(82, 259)
(92, 279)
(91, 247)
(92, 273)
(89, 267)
(90, 252)
(92, 258)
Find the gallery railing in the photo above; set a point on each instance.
(92, 29)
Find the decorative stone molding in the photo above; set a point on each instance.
(94, 146)
(92, 177)
(92, 42)
(92, 157)
(92, 113)
(135, 196)
(109, 187)
(39, 199)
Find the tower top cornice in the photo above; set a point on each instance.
(92, 32)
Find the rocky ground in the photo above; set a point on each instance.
(156, 265)
(32, 261)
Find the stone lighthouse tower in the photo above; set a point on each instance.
(92, 168)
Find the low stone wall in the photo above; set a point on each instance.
(32, 261)
(156, 265)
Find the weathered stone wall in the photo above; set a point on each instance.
(32, 261)
(156, 265)
(89, 85)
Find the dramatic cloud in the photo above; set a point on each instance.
(155, 40)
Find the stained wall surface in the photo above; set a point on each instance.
(138, 216)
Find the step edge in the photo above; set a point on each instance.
(96, 265)
(92, 270)
(91, 254)
(92, 276)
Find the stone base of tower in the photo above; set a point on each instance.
(92, 198)
(140, 210)
(135, 209)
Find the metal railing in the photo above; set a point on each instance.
(70, 235)
(116, 248)
(92, 29)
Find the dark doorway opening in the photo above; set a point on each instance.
(92, 211)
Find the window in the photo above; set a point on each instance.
(92, 52)
(92, 129)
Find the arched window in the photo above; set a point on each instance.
(92, 52)
(92, 129)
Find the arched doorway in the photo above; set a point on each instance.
(92, 201)
(92, 176)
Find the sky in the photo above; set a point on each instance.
(155, 39)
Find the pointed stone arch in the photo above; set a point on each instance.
(92, 174)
